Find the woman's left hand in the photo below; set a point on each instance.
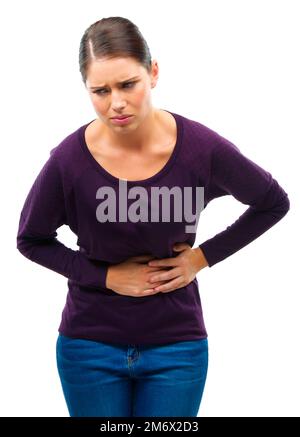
(185, 267)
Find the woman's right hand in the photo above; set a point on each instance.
(130, 277)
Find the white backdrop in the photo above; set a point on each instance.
(232, 65)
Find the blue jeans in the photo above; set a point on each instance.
(109, 380)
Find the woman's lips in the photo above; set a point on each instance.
(121, 121)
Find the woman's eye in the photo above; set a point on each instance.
(103, 90)
(129, 83)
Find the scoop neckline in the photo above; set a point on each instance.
(153, 178)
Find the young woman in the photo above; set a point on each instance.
(132, 340)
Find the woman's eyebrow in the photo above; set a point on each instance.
(119, 83)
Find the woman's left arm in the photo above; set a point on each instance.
(235, 174)
(232, 173)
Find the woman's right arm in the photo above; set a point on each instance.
(42, 214)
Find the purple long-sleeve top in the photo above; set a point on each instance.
(69, 191)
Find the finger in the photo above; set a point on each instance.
(167, 262)
(150, 291)
(170, 286)
(170, 274)
(155, 284)
(159, 269)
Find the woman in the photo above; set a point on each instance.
(132, 340)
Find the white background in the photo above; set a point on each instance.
(233, 66)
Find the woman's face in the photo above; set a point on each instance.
(121, 86)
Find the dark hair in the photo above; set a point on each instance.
(110, 38)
